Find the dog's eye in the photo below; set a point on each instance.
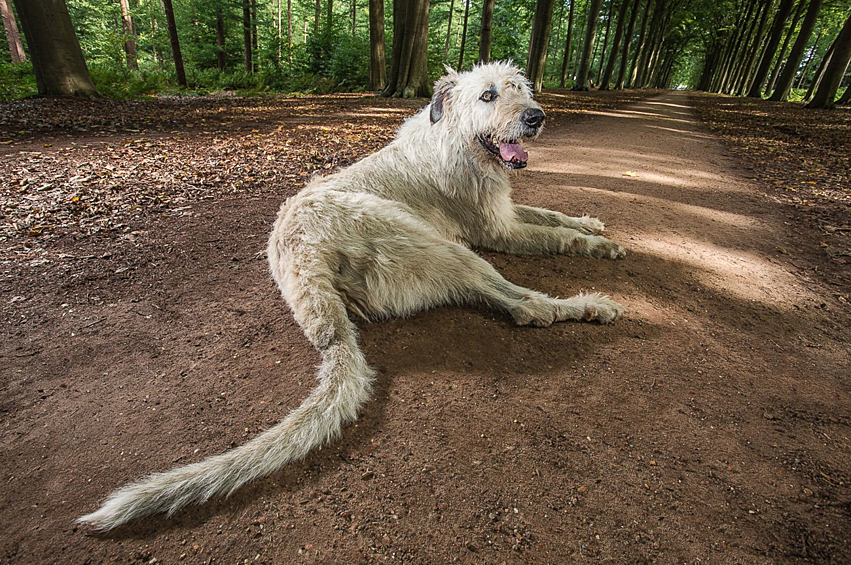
(488, 96)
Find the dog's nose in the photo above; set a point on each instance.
(533, 118)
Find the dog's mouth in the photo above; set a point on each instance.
(510, 153)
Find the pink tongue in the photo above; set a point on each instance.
(509, 151)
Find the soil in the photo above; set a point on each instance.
(711, 424)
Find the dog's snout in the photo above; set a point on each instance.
(533, 118)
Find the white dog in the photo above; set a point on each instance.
(390, 236)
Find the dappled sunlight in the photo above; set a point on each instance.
(744, 274)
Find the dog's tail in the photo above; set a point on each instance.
(345, 383)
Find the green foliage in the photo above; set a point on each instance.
(17, 80)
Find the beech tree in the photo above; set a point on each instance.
(16, 48)
(175, 43)
(377, 63)
(566, 58)
(784, 83)
(409, 62)
(541, 28)
(610, 64)
(588, 45)
(824, 97)
(486, 31)
(58, 62)
(774, 36)
(633, 16)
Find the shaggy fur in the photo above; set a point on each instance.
(390, 236)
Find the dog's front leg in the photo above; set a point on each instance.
(528, 239)
(542, 217)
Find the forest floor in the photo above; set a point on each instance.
(712, 424)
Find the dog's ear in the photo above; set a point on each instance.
(441, 93)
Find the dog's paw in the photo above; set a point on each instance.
(599, 308)
(602, 248)
(589, 225)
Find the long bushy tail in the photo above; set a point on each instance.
(345, 383)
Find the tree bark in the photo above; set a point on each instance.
(641, 46)
(129, 34)
(824, 97)
(774, 36)
(616, 43)
(633, 16)
(590, 31)
(16, 48)
(58, 62)
(316, 15)
(246, 35)
(255, 45)
(538, 43)
(220, 40)
(464, 33)
(755, 51)
(809, 60)
(487, 31)
(566, 58)
(741, 46)
(825, 60)
(649, 51)
(449, 30)
(778, 65)
(354, 17)
(377, 62)
(330, 24)
(606, 37)
(409, 63)
(784, 83)
(175, 43)
(290, 30)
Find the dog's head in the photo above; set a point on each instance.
(491, 108)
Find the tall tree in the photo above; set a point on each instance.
(330, 23)
(464, 33)
(755, 50)
(640, 46)
(605, 39)
(487, 31)
(825, 60)
(616, 43)
(633, 16)
(16, 48)
(566, 57)
(58, 62)
(246, 35)
(781, 56)
(255, 45)
(221, 54)
(409, 63)
(824, 97)
(784, 83)
(377, 63)
(542, 25)
(177, 55)
(449, 30)
(588, 46)
(129, 34)
(774, 36)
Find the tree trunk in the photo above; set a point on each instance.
(741, 46)
(774, 37)
(316, 15)
(354, 17)
(175, 43)
(587, 48)
(409, 63)
(330, 24)
(220, 40)
(16, 48)
(778, 65)
(566, 59)
(641, 46)
(377, 62)
(255, 46)
(755, 51)
(58, 62)
(835, 70)
(290, 31)
(616, 43)
(784, 83)
(649, 51)
(487, 31)
(129, 34)
(449, 30)
(606, 37)
(633, 15)
(538, 43)
(846, 96)
(820, 70)
(246, 35)
(464, 33)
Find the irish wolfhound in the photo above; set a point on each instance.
(390, 236)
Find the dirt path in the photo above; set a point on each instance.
(712, 424)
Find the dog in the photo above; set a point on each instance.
(389, 236)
